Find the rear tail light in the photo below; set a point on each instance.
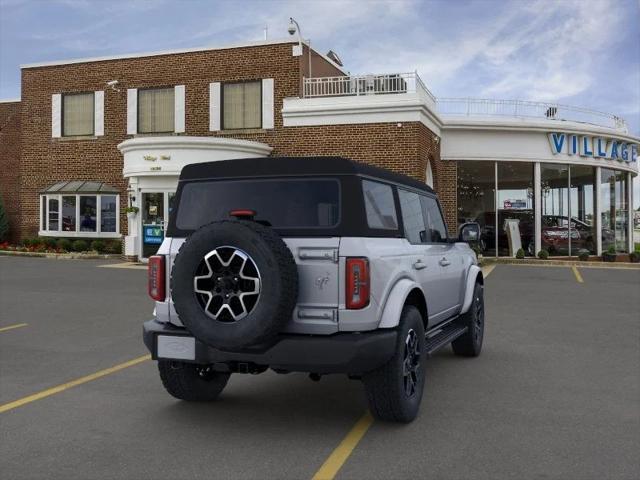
(157, 278)
(358, 286)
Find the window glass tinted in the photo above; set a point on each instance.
(412, 217)
(88, 213)
(108, 213)
(296, 203)
(436, 230)
(379, 205)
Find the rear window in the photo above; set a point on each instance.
(284, 203)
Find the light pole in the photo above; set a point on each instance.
(293, 28)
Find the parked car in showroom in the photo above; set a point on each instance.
(319, 265)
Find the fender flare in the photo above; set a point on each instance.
(474, 272)
(395, 302)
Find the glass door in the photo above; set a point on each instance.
(153, 222)
(556, 228)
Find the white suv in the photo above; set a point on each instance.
(319, 265)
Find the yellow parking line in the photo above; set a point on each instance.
(487, 269)
(11, 327)
(332, 465)
(74, 383)
(577, 274)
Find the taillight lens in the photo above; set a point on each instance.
(156, 278)
(358, 286)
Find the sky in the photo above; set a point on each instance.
(582, 52)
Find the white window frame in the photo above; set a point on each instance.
(78, 234)
(98, 116)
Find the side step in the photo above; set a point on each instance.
(442, 337)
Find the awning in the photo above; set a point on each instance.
(80, 186)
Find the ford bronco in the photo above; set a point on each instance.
(319, 265)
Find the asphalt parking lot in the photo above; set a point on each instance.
(555, 393)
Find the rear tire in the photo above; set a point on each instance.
(394, 391)
(470, 344)
(191, 382)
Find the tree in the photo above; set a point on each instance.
(4, 223)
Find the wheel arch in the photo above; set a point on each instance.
(474, 276)
(405, 292)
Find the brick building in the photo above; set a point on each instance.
(91, 137)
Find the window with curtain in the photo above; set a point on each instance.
(77, 114)
(241, 105)
(156, 109)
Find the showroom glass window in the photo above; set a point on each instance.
(241, 105)
(554, 190)
(516, 219)
(582, 206)
(614, 209)
(79, 214)
(78, 114)
(476, 200)
(156, 110)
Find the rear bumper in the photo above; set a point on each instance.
(351, 353)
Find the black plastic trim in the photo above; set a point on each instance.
(350, 353)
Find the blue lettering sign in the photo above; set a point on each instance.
(586, 148)
(614, 150)
(624, 153)
(634, 153)
(557, 142)
(601, 150)
(152, 234)
(573, 148)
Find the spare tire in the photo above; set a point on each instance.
(234, 284)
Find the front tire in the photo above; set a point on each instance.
(394, 391)
(191, 382)
(470, 344)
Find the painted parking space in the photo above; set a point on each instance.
(553, 384)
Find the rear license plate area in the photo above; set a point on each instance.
(176, 347)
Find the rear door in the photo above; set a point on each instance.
(318, 285)
(450, 263)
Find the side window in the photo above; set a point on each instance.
(379, 204)
(412, 218)
(436, 230)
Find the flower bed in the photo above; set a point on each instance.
(50, 245)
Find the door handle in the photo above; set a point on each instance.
(444, 262)
(419, 265)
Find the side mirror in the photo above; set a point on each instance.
(469, 232)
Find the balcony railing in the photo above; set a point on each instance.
(356, 85)
(400, 83)
(526, 109)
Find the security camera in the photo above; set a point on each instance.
(112, 83)
(292, 27)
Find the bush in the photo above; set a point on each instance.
(115, 246)
(520, 253)
(611, 250)
(80, 246)
(583, 254)
(4, 223)
(64, 244)
(543, 254)
(635, 256)
(98, 246)
(48, 242)
(27, 242)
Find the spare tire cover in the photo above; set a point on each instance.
(234, 284)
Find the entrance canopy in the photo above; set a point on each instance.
(80, 186)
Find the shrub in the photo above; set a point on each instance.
(520, 253)
(4, 223)
(64, 244)
(583, 254)
(98, 246)
(635, 256)
(611, 250)
(115, 246)
(27, 242)
(543, 254)
(80, 246)
(48, 242)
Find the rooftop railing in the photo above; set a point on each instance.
(526, 109)
(356, 85)
(399, 83)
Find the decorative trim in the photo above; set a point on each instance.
(132, 111)
(214, 107)
(56, 115)
(267, 103)
(199, 143)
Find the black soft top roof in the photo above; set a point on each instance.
(292, 166)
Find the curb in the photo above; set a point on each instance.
(561, 263)
(63, 256)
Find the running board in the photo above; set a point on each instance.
(447, 334)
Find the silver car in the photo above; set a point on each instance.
(319, 265)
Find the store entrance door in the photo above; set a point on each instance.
(156, 207)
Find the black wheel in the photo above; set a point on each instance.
(470, 344)
(234, 284)
(394, 391)
(188, 381)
